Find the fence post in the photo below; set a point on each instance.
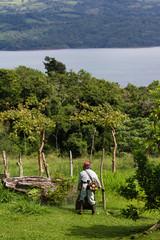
(5, 164)
(20, 166)
(103, 189)
(45, 165)
(71, 163)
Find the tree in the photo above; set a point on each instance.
(34, 85)
(143, 185)
(10, 89)
(155, 117)
(52, 65)
(24, 120)
(103, 116)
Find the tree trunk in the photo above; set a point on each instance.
(114, 151)
(40, 153)
(5, 164)
(92, 146)
(103, 189)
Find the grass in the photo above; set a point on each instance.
(23, 218)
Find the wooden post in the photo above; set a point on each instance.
(92, 147)
(103, 189)
(71, 163)
(5, 164)
(45, 165)
(20, 166)
(40, 153)
(114, 151)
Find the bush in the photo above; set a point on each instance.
(144, 185)
(130, 212)
(59, 195)
(76, 144)
(129, 191)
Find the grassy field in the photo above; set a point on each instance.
(25, 219)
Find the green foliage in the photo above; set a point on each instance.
(34, 102)
(20, 202)
(133, 132)
(34, 85)
(52, 65)
(104, 225)
(147, 178)
(130, 212)
(129, 191)
(58, 196)
(6, 195)
(10, 89)
(40, 24)
(76, 144)
(29, 207)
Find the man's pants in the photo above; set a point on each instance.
(90, 195)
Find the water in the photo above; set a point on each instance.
(138, 66)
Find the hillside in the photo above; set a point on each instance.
(43, 24)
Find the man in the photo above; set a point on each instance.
(85, 177)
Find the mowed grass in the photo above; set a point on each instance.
(63, 222)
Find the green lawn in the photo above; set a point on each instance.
(63, 222)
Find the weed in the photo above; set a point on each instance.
(29, 207)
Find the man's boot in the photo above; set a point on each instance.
(94, 209)
(81, 207)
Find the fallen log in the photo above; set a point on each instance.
(52, 191)
(23, 184)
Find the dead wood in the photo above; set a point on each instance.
(40, 153)
(20, 166)
(5, 164)
(45, 165)
(114, 151)
(24, 184)
(156, 226)
(103, 189)
(71, 163)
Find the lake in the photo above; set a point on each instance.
(138, 66)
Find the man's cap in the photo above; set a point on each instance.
(86, 164)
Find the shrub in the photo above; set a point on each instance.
(129, 191)
(130, 212)
(57, 196)
(144, 185)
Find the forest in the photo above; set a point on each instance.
(46, 24)
(68, 111)
(59, 112)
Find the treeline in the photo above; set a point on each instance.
(45, 24)
(74, 111)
